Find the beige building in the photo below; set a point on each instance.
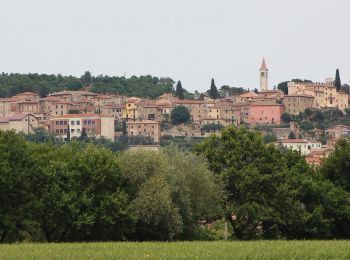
(325, 95)
(19, 123)
(296, 103)
(144, 128)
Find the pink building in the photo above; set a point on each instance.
(265, 114)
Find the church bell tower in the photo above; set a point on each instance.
(264, 77)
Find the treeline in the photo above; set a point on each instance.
(42, 84)
(76, 192)
(84, 192)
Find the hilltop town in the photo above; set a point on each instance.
(69, 114)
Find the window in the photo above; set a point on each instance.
(61, 122)
(57, 122)
(72, 122)
(72, 130)
(65, 122)
(85, 122)
(57, 131)
(78, 122)
(61, 106)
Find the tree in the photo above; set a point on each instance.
(86, 79)
(170, 191)
(179, 90)
(213, 92)
(337, 81)
(68, 134)
(283, 86)
(336, 167)
(225, 91)
(292, 135)
(180, 115)
(256, 91)
(306, 125)
(272, 193)
(83, 136)
(286, 118)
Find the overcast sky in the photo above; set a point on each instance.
(188, 40)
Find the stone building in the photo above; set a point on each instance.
(296, 103)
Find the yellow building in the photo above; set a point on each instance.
(132, 108)
(325, 95)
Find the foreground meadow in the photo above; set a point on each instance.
(181, 250)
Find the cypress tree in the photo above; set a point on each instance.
(179, 90)
(337, 81)
(213, 92)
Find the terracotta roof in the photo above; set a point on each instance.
(12, 118)
(265, 104)
(295, 141)
(184, 102)
(143, 122)
(9, 99)
(27, 102)
(298, 95)
(77, 115)
(249, 95)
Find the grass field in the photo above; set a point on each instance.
(181, 250)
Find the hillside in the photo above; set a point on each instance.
(143, 86)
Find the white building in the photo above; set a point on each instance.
(304, 146)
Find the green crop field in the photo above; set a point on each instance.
(181, 250)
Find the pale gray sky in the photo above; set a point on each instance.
(187, 40)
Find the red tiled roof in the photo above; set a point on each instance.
(143, 122)
(295, 141)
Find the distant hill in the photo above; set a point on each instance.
(43, 84)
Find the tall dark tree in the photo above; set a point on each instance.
(180, 115)
(179, 90)
(337, 81)
(86, 78)
(68, 134)
(213, 92)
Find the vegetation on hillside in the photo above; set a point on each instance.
(42, 84)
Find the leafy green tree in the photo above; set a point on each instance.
(336, 167)
(270, 137)
(179, 90)
(286, 118)
(170, 192)
(180, 115)
(337, 81)
(213, 92)
(40, 135)
(272, 193)
(306, 125)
